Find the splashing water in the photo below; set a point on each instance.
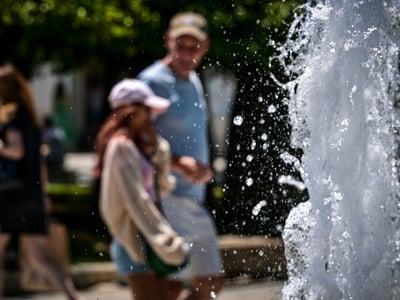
(344, 242)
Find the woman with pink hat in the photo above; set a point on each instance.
(129, 154)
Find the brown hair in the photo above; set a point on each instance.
(118, 121)
(14, 88)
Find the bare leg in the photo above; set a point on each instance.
(206, 288)
(147, 286)
(38, 258)
(4, 239)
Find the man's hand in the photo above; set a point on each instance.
(193, 170)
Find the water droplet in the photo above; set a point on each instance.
(249, 181)
(256, 209)
(238, 120)
(271, 109)
(264, 136)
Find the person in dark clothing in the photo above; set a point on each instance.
(53, 138)
(22, 209)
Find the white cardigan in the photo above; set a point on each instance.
(127, 208)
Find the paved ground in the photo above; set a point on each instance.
(256, 290)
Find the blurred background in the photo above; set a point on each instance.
(74, 51)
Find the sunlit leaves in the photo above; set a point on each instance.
(72, 32)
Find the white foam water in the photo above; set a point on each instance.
(344, 242)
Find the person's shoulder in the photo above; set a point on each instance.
(156, 66)
(121, 146)
(120, 141)
(21, 113)
(21, 120)
(156, 73)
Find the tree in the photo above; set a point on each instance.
(73, 34)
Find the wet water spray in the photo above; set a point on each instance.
(343, 61)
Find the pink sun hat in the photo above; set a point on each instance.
(129, 91)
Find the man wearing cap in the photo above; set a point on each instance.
(184, 125)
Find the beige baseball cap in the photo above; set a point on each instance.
(188, 23)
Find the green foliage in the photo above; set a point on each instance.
(74, 34)
(242, 31)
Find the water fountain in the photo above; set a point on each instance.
(344, 242)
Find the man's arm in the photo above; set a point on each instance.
(192, 169)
